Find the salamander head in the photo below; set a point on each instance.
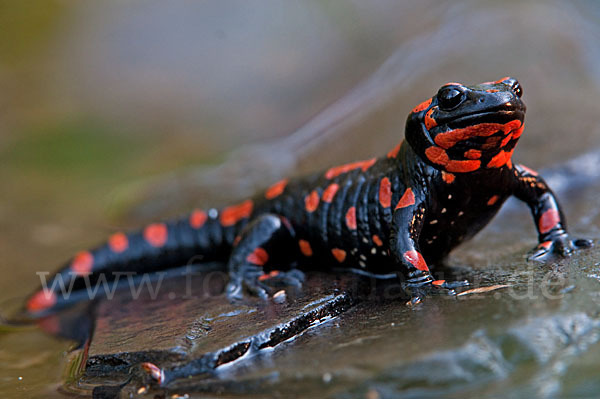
(467, 128)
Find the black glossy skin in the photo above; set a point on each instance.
(452, 199)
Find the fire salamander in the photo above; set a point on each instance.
(401, 213)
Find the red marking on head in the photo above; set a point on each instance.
(118, 242)
(305, 248)
(422, 107)
(472, 154)
(491, 143)
(156, 234)
(437, 155)
(416, 259)
(82, 263)
(448, 177)
(438, 282)
(502, 80)
(493, 200)
(394, 152)
(505, 140)
(276, 189)
(408, 199)
(449, 139)
(528, 170)
(429, 121)
(330, 192)
(385, 192)
(233, 214)
(339, 254)
(377, 240)
(258, 257)
(518, 132)
(546, 244)
(311, 202)
(40, 301)
(198, 218)
(338, 170)
(462, 166)
(492, 91)
(351, 218)
(500, 159)
(548, 220)
(266, 276)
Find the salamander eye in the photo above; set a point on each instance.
(450, 97)
(516, 87)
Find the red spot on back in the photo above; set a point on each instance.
(438, 282)
(500, 159)
(330, 192)
(198, 218)
(429, 121)
(493, 200)
(258, 257)
(502, 80)
(394, 152)
(548, 220)
(41, 301)
(305, 248)
(338, 170)
(377, 240)
(462, 166)
(408, 199)
(156, 234)
(416, 259)
(472, 154)
(422, 107)
(233, 214)
(82, 263)
(311, 202)
(385, 192)
(546, 244)
(351, 218)
(339, 254)
(448, 177)
(276, 189)
(118, 242)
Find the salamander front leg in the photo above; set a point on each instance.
(263, 244)
(549, 220)
(414, 272)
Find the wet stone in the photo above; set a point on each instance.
(188, 327)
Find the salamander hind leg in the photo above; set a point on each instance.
(263, 248)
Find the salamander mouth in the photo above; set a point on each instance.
(498, 116)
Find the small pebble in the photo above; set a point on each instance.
(327, 377)
(20, 378)
(142, 390)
